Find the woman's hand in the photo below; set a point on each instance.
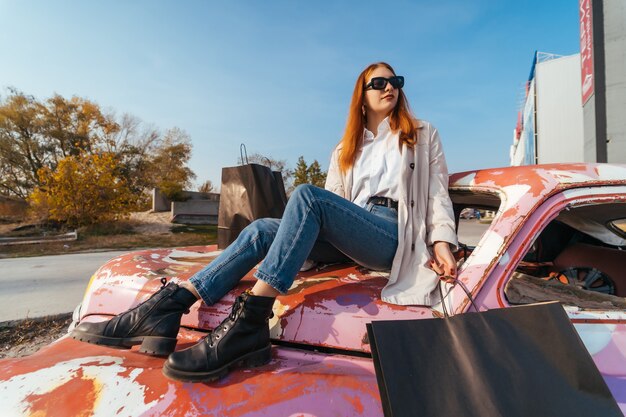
(444, 263)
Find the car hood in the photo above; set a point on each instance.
(71, 378)
(327, 307)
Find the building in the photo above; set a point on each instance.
(603, 70)
(574, 106)
(550, 123)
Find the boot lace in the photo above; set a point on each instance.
(236, 308)
(223, 326)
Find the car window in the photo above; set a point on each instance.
(474, 212)
(577, 259)
(472, 224)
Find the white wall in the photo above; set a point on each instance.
(560, 135)
(615, 59)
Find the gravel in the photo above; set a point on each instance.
(25, 337)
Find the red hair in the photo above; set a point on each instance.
(400, 119)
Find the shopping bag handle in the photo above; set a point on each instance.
(463, 287)
(243, 151)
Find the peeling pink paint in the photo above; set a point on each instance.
(327, 308)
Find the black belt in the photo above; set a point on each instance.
(383, 201)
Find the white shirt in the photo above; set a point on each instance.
(376, 173)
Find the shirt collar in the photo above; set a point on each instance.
(382, 128)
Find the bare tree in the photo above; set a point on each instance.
(206, 187)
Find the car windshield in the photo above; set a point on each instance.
(577, 259)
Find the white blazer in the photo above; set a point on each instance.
(425, 216)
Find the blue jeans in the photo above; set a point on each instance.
(317, 225)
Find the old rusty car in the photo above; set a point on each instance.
(555, 232)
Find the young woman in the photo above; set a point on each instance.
(385, 206)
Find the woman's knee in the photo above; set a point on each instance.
(261, 232)
(305, 191)
(265, 225)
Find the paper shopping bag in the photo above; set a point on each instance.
(521, 361)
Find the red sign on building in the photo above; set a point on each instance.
(586, 50)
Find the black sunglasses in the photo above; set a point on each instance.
(380, 83)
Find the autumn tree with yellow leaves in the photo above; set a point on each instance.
(83, 189)
(79, 164)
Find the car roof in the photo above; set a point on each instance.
(543, 178)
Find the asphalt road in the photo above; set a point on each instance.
(471, 230)
(46, 285)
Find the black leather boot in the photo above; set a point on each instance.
(154, 323)
(243, 337)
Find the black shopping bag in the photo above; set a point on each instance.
(248, 192)
(525, 361)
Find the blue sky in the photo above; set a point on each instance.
(278, 75)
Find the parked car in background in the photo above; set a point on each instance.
(554, 225)
(468, 213)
